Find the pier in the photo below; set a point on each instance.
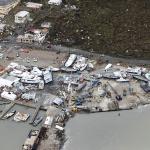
(13, 103)
(35, 113)
(7, 109)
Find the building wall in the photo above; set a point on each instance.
(4, 10)
(19, 19)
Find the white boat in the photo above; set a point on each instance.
(122, 80)
(16, 73)
(8, 115)
(80, 63)
(68, 69)
(47, 76)
(134, 71)
(147, 75)
(34, 80)
(20, 116)
(53, 69)
(70, 60)
(36, 71)
(108, 67)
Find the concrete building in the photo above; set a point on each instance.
(6, 6)
(34, 5)
(36, 35)
(22, 17)
(27, 38)
(54, 2)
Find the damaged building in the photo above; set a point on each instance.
(6, 6)
(36, 35)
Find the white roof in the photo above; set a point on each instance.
(55, 2)
(33, 5)
(22, 13)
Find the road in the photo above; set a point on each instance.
(12, 45)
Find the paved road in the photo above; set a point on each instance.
(16, 46)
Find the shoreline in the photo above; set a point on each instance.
(49, 58)
(106, 127)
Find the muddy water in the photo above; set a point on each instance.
(109, 131)
(13, 134)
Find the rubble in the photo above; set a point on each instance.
(105, 87)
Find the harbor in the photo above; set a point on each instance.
(109, 131)
(73, 80)
(15, 133)
(42, 98)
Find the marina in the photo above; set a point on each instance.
(10, 129)
(73, 80)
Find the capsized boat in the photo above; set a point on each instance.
(70, 60)
(8, 115)
(37, 120)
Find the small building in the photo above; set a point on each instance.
(22, 17)
(46, 25)
(27, 38)
(54, 2)
(6, 6)
(34, 5)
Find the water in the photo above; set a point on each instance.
(13, 134)
(108, 131)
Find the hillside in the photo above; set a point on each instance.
(115, 27)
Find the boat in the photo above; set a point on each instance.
(140, 78)
(8, 115)
(80, 63)
(37, 120)
(34, 80)
(68, 69)
(147, 75)
(47, 76)
(53, 69)
(70, 60)
(108, 67)
(110, 76)
(145, 86)
(20, 116)
(31, 141)
(134, 71)
(122, 80)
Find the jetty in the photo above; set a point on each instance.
(7, 109)
(35, 113)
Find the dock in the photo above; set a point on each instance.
(7, 109)
(35, 113)
(11, 104)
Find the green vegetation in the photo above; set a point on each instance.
(116, 27)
